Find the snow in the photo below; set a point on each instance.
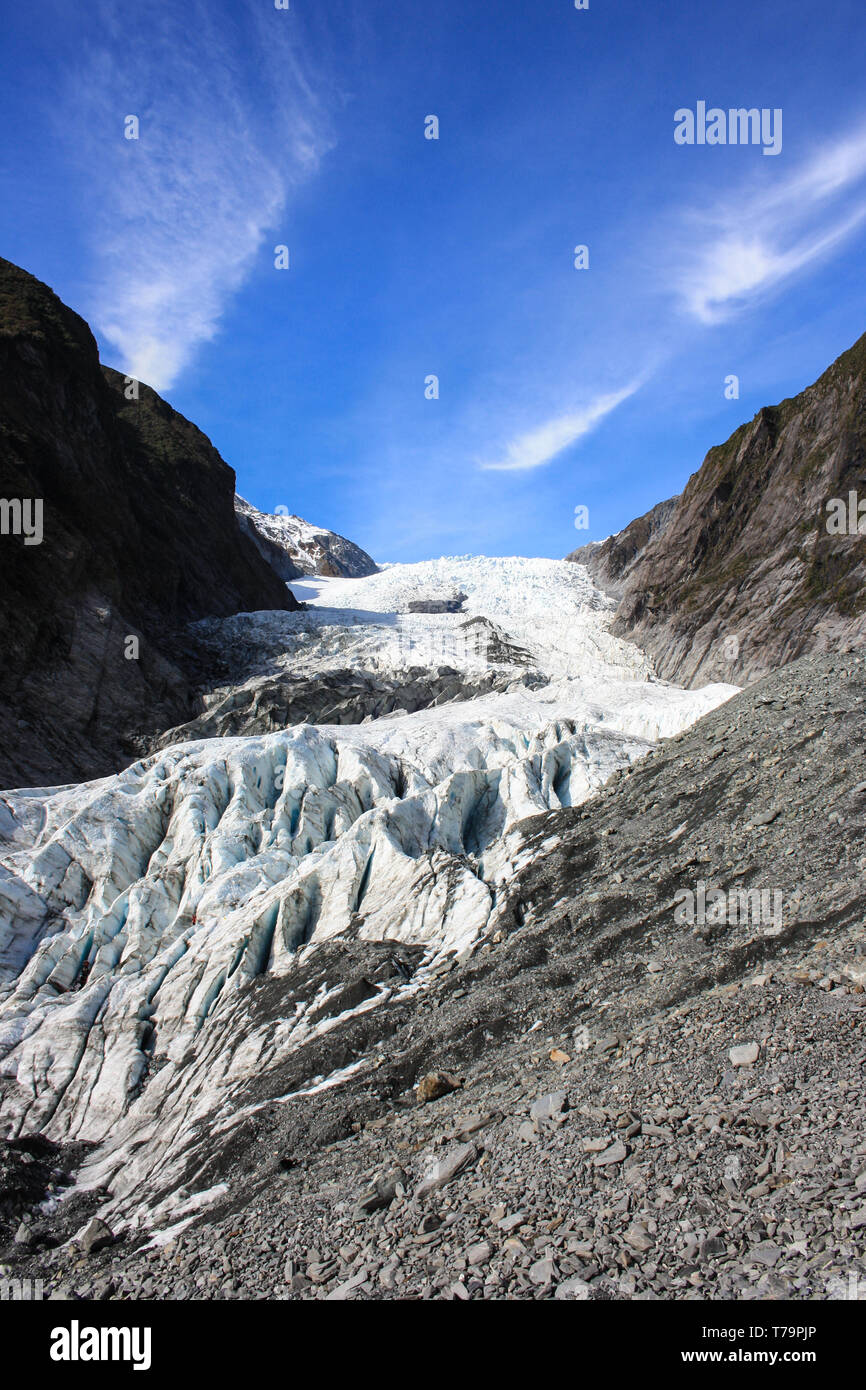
(549, 607)
(310, 548)
(138, 909)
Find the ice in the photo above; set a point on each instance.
(137, 910)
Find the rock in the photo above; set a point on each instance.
(609, 561)
(480, 1253)
(766, 1254)
(713, 1248)
(442, 1172)
(347, 1288)
(511, 1223)
(616, 1153)
(387, 1275)
(679, 600)
(773, 1287)
(382, 1192)
(434, 1085)
(95, 1236)
(140, 539)
(543, 1272)
(452, 604)
(549, 1107)
(471, 1124)
(559, 1057)
(639, 1239)
(573, 1288)
(293, 547)
(744, 1055)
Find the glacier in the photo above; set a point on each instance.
(139, 912)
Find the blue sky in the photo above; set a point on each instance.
(409, 257)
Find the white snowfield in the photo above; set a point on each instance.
(135, 911)
(549, 607)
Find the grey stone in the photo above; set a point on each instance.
(95, 1236)
(543, 1272)
(479, 1254)
(616, 1153)
(574, 1288)
(550, 1106)
(446, 1168)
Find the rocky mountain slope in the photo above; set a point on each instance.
(743, 575)
(294, 548)
(138, 537)
(644, 1106)
(611, 561)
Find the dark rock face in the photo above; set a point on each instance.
(293, 547)
(138, 537)
(611, 561)
(744, 575)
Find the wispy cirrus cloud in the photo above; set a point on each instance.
(230, 122)
(540, 446)
(740, 251)
(724, 259)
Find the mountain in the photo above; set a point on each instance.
(294, 548)
(139, 537)
(611, 561)
(744, 573)
(394, 966)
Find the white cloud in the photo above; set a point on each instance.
(181, 215)
(744, 248)
(539, 446)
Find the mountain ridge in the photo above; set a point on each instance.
(140, 538)
(295, 548)
(743, 574)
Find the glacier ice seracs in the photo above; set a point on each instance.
(137, 910)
